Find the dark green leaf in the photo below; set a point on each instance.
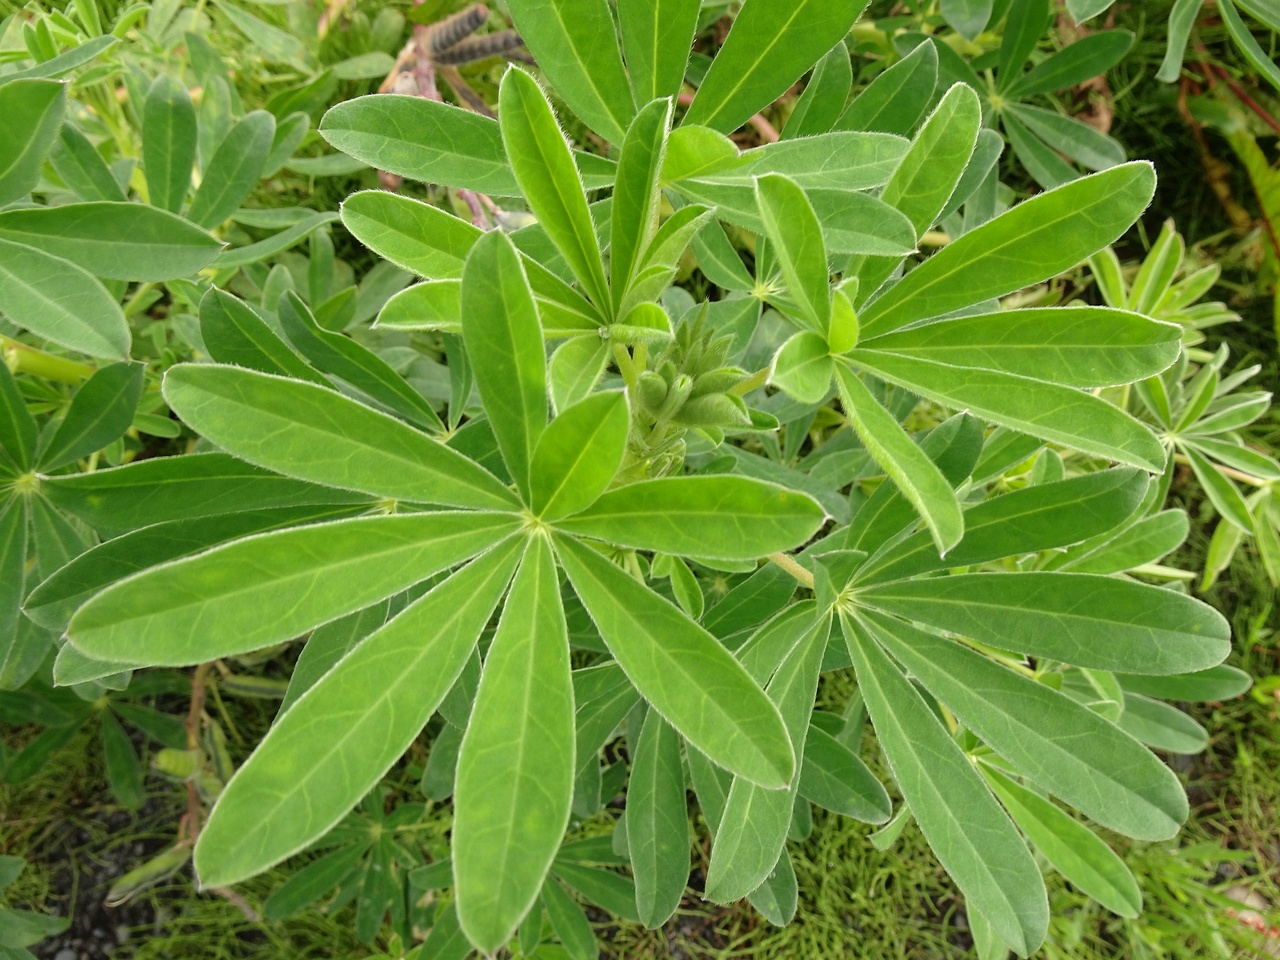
(168, 143)
(1060, 615)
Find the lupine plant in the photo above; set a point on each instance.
(617, 549)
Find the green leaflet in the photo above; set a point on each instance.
(413, 235)
(656, 37)
(271, 587)
(543, 166)
(100, 412)
(1071, 137)
(233, 171)
(1035, 240)
(1040, 517)
(1161, 725)
(753, 832)
(636, 195)
(319, 435)
(168, 143)
(120, 241)
(914, 474)
(18, 432)
(841, 160)
(683, 671)
(1074, 849)
(836, 779)
(33, 110)
(954, 445)
(796, 241)
(824, 96)
(322, 755)
(13, 562)
(327, 645)
(82, 168)
(1081, 60)
(1061, 615)
(434, 143)
(895, 100)
(342, 357)
(570, 924)
(1065, 747)
(717, 517)
(1048, 410)
(515, 767)
(57, 300)
(576, 46)
(966, 828)
(234, 333)
(657, 822)
(52, 603)
(578, 455)
(276, 243)
(1223, 494)
(504, 346)
(1082, 346)
(176, 488)
(1022, 30)
(1216, 683)
(802, 367)
(769, 46)
(929, 173)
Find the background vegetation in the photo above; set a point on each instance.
(1214, 892)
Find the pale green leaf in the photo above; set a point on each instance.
(516, 763)
(333, 745)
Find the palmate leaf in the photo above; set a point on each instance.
(272, 587)
(682, 670)
(325, 752)
(516, 763)
(971, 836)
